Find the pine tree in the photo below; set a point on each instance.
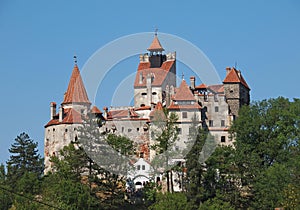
(24, 159)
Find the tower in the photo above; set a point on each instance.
(156, 73)
(62, 129)
(237, 91)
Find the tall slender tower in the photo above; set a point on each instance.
(156, 72)
(62, 128)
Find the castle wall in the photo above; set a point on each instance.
(56, 137)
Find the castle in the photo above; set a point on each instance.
(214, 105)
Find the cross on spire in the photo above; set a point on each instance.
(182, 76)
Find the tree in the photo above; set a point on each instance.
(201, 145)
(166, 136)
(265, 133)
(5, 198)
(24, 159)
(170, 201)
(24, 172)
(67, 187)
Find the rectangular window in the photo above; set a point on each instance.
(211, 123)
(222, 123)
(223, 139)
(143, 167)
(179, 130)
(216, 109)
(184, 114)
(138, 167)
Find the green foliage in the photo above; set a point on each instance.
(121, 144)
(170, 201)
(24, 158)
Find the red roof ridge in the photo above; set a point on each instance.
(76, 92)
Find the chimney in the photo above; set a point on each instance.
(239, 73)
(128, 113)
(192, 81)
(61, 112)
(149, 88)
(105, 112)
(227, 70)
(52, 110)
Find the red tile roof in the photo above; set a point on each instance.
(155, 45)
(194, 106)
(95, 110)
(159, 74)
(70, 116)
(202, 86)
(215, 88)
(158, 113)
(144, 65)
(235, 77)
(142, 108)
(76, 92)
(123, 113)
(183, 93)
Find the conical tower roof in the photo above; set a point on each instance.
(155, 45)
(76, 92)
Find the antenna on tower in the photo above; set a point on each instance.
(182, 76)
(235, 64)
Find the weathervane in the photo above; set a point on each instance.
(182, 75)
(156, 29)
(75, 59)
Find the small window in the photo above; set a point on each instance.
(211, 123)
(222, 123)
(231, 91)
(144, 94)
(184, 114)
(129, 130)
(53, 129)
(154, 93)
(223, 139)
(216, 109)
(122, 129)
(143, 167)
(137, 129)
(177, 148)
(142, 105)
(66, 130)
(138, 167)
(179, 130)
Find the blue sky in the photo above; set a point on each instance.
(39, 38)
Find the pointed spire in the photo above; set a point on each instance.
(155, 45)
(76, 92)
(183, 93)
